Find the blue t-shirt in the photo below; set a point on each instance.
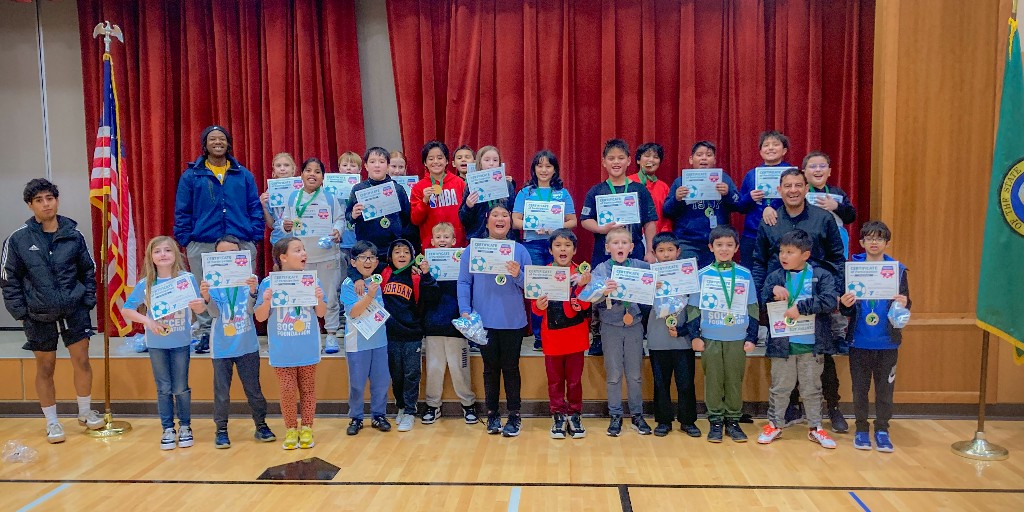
(232, 333)
(293, 336)
(793, 279)
(712, 323)
(180, 321)
(529, 193)
(277, 232)
(354, 340)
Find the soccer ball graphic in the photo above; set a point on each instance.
(533, 290)
(279, 298)
(276, 200)
(765, 187)
(369, 211)
(478, 263)
(693, 192)
(161, 309)
(665, 289)
(605, 218)
(858, 288)
(531, 222)
(214, 278)
(620, 292)
(435, 271)
(708, 301)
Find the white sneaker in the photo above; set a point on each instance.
(92, 419)
(821, 437)
(405, 422)
(169, 440)
(185, 436)
(54, 433)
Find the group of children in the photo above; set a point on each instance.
(377, 262)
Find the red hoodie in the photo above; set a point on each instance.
(568, 340)
(443, 208)
(659, 193)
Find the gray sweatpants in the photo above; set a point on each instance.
(785, 372)
(623, 354)
(330, 277)
(453, 353)
(194, 252)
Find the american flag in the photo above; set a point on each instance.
(110, 177)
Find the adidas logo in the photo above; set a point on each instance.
(33, 248)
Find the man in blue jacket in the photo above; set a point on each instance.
(216, 196)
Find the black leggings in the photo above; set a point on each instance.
(501, 358)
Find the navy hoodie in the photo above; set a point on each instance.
(881, 336)
(373, 231)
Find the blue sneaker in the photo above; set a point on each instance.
(221, 440)
(331, 344)
(263, 434)
(882, 442)
(139, 343)
(862, 441)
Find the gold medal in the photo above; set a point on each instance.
(229, 330)
(376, 279)
(500, 279)
(384, 222)
(671, 321)
(437, 190)
(583, 267)
(730, 319)
(299, 326)
(627, 319)
(872, 318)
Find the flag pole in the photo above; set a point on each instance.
(111, 428)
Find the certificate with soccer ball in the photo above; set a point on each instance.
(634, 285)
(490, 184)
(340, 185)
(702, 183)
(372, 319)
(280, 189)
(547, 280)
(379, 201)
(293, 289)
(713, 297)
(444, 263)
(547, 215)
(227, 269)
(618, 208)
(490, 256)
(171, 296)
(873, 280)
(782, 327)
(677, 277)
(766, 179)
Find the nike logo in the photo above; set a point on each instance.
(33, 248)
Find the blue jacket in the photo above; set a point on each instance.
(891, 337)
(690, 221)
(754, 210)
(821, 305)
(205, 209)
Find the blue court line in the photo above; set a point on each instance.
(859, 502)
(42, 499)
(513, 500)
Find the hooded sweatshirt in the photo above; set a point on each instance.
(400, 297)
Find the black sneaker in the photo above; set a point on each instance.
(469, 414)
(746, 418)
(203, 347)
(596, 347)
(221, 439)
(431, 415)
(558, 426)
(691, 430)
(794, 414)
(493, 423)
(264, 434)
(662, 429)
(839, 424)
(381, 423)
(715, 433)
(576, 429)
(733, 430)
(615, 425)
(640, 425)
(354, 427)
(512, 426)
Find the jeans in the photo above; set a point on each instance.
(170, 371)
(249, 373)
(373, 365)
(663, 364)
(540, 255)
(404, 361)
(501, 360)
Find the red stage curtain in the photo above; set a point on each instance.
(567, 75)
(279, 75)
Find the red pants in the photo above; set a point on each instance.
(565, 391)
(297, 383)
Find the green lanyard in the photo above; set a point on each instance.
(729, 292)
(624, 187)
(301, 208)
(439, 182)
(232, 300)
(795, 293)
(541, 197)
(644, 177)
(626, 264)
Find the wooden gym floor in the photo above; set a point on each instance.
(453, 466)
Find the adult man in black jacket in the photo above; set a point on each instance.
(49, 284)
(826, 253)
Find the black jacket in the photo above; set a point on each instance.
(45, 284)
(826, 248)
(373, 231)
(821, 304)
(437, 321)
(398, 291)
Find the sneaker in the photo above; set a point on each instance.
(576, 429)
(468, 414)
(640, 425)
(746, 418)
(839, 424)
(512, 426)
(202, 346)
(768, 433)
(882, 442)
(818, 435)
(474, 348)
(794, 414)
(55, 433)
(493, 423)
(862, 441)
(354, 427)
(537, 346)
(184, 436)
(596, 347)
(690, 429)
(92, 419)
(221, 440)
(264, 434)
(558, 426)
(291, 439)
(431, 415)
(306, 437)
(331, 344)
(715, 432)
(139, 343)
(662, 429)
(615, 425)
(405, 424)
(381, 423)
(733, 430)
(169, 440)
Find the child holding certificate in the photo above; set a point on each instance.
(566, 325)
(367, 356)
(544, 188)
(774, 146)
(874, 342)
(473, 212)
(293, 335)
(234, 346)
(380, 231)
(282, 166)
(671, 353)
(622, 332)
(722, 337)
(168, 338)
(499, 301)
(807, 291)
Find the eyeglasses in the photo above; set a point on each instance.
(817, 167)
(366, 259)
(874, 240)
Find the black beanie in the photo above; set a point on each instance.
(206, 133)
